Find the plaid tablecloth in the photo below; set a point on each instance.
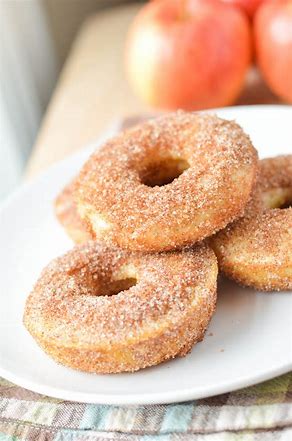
(258, 413)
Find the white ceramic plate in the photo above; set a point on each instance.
(249, 339)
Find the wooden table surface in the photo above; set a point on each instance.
(92, 90)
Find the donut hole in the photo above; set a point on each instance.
(287, 202)
(101, 283)
(163, 171)
(278, 198)
(114, 287)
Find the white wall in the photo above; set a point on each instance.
(28, 71)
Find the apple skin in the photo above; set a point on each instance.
(191, 54)
(249, 6)
(273, 43)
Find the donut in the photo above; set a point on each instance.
(256, 250)
(105, 310)
(276, 181)
(167, 183)
(68, 216)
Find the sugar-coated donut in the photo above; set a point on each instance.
(163, 306)
(167, 183)
(275, 182)
(256, 250)
(68, 216)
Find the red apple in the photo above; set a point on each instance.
(249, 6)
(273, 41)
(189, 54)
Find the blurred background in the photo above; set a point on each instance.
(35, 38)
(104, 78)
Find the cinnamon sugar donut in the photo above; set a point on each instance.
(257, 249)
(276, 181)
(168, 182)
(68, 216)
(163, 306)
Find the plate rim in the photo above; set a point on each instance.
(143, 399)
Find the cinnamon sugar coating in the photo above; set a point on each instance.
(165, 305)
(117, 193)
(276, 181)
(67, 214)
(257, 249)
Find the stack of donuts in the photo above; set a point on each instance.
(154, 212)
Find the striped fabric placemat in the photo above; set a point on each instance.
(259, 413)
